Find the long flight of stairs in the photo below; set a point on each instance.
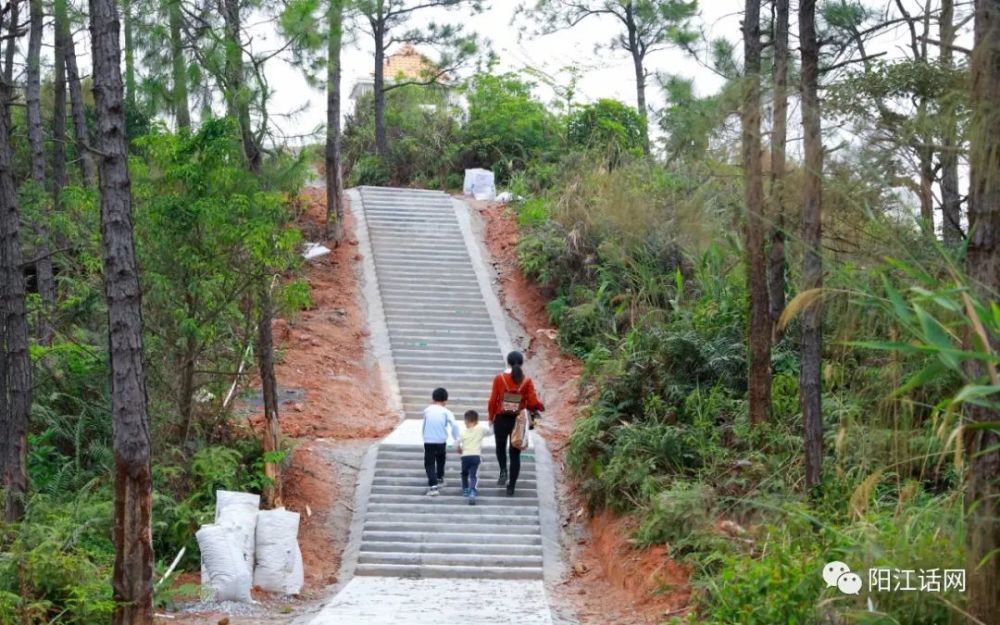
(441, 334)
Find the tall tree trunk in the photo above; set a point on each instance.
(982, 497)
(132, 581)
(760, 318)
(237, 102)
(10, 46)
(15, 403)
(32, 92)
(634, 48)
(58, 131)
(269, 389)
(779, 132)
(811, 341)
(36, 142)
(951, 211)
(381, 138)
(59, 104)
(129, 27)
(926, 166)
(334, 177)
(88, 170)
(179, 96)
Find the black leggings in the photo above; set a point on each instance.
(503, 425)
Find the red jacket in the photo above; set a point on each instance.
(503, 383)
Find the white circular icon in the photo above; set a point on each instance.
(849, 583)
(832, 571)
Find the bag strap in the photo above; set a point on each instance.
(503, 379)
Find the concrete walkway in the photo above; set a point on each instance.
(435, 320)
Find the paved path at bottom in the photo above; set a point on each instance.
(399, 601)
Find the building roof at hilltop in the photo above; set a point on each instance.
(408, 63)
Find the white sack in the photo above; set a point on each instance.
(224, 573)
(241, 521)
(226, 498)
(279, 561)
(480, 184)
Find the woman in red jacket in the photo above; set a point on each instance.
(512, 383)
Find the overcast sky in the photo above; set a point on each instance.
(608, 75)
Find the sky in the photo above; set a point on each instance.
(607, 75)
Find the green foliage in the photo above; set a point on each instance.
(507, 128)
(423, 131)
(209, 234)
(610, 128)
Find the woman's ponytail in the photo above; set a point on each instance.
(516, 360)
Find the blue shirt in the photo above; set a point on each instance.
(437, 421)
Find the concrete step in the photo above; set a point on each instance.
(481, 545)
(487, 489)
(450, 559)
(457, 528)
(458, 572)
(501, 541)
(417, 485)
(452, 475)
(468, 514)
(451, 500)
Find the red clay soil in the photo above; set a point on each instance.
(611, 582)
(321, 351)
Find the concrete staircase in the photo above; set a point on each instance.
(441, 333)
(440, 330)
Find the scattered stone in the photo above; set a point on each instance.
(580, 568)
(297, 407)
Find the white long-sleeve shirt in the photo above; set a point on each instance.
(438, 420)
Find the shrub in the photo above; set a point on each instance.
(609, 128)
(370, 171)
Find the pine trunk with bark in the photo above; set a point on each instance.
(811, 340)
(269, 388)
(334, 176)
(779, 132)
(15, 402)
(36, 143)
(381, 138)
(88, 170)
(951, 211)
(59, 104)
(635, 48)
(179, 95)
(132, 581)
(129, 28)
(10, 45)
(759, 330)
(982, 497)
(237, 104)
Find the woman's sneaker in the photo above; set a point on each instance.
(502, 481)
(472, 498)
(510, 490)
(441, 483)
(465, 492)
(433, 491)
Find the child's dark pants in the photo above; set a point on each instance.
(470, 472)
(434, 457)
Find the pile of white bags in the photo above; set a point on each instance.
(480, 184)
(247, 546)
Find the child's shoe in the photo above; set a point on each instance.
(465, 492)
(472, 497)
(433, 491)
